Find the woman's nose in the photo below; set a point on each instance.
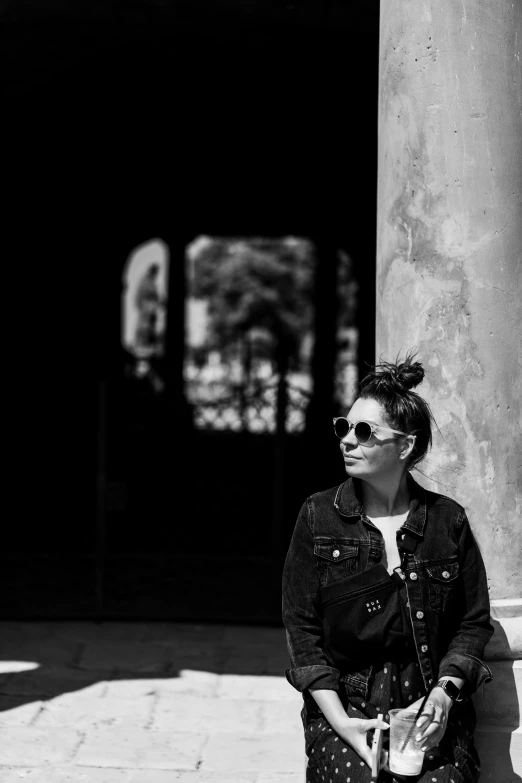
(349, 438)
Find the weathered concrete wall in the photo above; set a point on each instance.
(449, 245)
(449, 248)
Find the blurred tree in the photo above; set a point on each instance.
(262, 287)
(260, 294)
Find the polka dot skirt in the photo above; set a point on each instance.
(330, 760)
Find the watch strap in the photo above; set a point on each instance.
(450, 688)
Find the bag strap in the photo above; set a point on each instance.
(407, 547)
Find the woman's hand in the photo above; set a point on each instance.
(353, 731)
(433, 719)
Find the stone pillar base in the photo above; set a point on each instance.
(499, 703)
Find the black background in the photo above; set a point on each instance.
(130, 121)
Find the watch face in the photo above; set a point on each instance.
(450, 688)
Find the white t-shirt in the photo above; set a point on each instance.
(389, 527)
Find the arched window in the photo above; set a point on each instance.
(144, 305)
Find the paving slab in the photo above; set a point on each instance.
(265, 688)
(64, 775)
(261, 753)
(197, 714)
(28, 746)
(24, 630)
(157, 776)
(171, 634)
(199, 683)
(255, 662)
(192, 654)
(241, 636)
(87, 712)
(49, 651)
(107, 631)
(12, 713)
(47, 682)
(140, 749)
(147, 703)
(281, 716)
(114, 656)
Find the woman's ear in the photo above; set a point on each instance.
(407, 446)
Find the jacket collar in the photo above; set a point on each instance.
(348, 502)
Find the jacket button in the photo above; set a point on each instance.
(420, 615)
(445, 574)
(335, 553)
(413, 575)
(424, 648)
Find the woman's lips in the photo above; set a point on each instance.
(349, 457)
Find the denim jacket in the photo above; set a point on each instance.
(445, 579)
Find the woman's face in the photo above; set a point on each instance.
(380, 456)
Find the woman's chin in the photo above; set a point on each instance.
(352, 467)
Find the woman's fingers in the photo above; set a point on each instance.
(366, 755)
(432, 741)
(375, 723)
(354, 733)
(426, 715)
(360, 744)
(431, 733)
(432, 729)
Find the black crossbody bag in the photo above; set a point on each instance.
(364, 617)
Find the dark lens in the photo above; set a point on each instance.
(341, 428)
(363, 431)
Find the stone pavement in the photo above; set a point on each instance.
(146, 703)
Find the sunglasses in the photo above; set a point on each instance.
(363, 430)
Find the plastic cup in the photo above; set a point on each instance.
(406, 758)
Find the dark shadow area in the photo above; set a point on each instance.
(72, 657)
(167, 121)
(498, 712)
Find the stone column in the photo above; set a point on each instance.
(449, 245)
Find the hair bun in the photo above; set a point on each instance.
(410, 374)
(395, 377)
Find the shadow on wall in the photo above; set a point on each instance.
(498, 713)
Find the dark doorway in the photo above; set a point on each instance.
(236, 120)
(201, 509)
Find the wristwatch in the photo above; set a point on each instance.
(450, 688)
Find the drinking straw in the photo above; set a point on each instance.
(414, 724)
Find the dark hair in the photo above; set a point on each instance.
(391, 386)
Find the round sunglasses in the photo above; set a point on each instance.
(363, 430)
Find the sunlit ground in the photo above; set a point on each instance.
(147, 703)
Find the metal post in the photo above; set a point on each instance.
(101, 487)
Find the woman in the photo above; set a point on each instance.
(440, 624)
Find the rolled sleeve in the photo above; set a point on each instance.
(474, 671)
(313, 678)
(309, 666)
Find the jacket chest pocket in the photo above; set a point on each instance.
(336, 558)
(376, 550)
(442, 580)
